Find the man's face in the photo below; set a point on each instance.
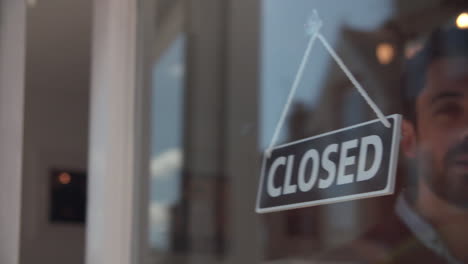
(441, 130)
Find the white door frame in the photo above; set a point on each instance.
(12, 72)
(111, 196)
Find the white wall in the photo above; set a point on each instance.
(56, 122)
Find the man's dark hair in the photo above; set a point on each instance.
(442, 43)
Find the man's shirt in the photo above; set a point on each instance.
(422, 230)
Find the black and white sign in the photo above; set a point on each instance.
(351, 163)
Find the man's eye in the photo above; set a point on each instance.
(448, 109)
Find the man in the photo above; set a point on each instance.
(432, 216)
(430, 221)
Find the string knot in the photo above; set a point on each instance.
(314, 23)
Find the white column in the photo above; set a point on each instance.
(110, 232)
(12, 58)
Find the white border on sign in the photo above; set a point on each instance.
(389, 189)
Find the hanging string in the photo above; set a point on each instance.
(313, 28)
(296, 82)
(353, 80)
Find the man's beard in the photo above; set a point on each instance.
(448, 183)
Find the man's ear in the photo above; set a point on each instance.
(408, 141)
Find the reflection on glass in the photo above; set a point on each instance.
(325, 100)
(284, 41)
(376, 46)
(197, 217)
(385, 53)
(166, 142)
(462, 20)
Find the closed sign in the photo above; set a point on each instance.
(346, 164)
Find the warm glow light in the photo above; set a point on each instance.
(462, 21)
(385, 53)
(64, 178)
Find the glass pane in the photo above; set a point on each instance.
(166, 144)
(221, 79)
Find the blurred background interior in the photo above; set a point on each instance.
(210, 81)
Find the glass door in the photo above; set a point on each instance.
(220, 77)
